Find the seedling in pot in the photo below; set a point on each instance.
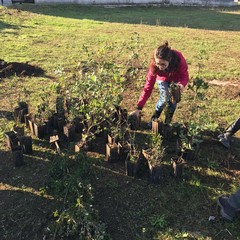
(155, 151)
(154, 154)
(117, 125)
(11, 139)
(175, 93)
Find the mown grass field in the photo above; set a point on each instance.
(53, 37)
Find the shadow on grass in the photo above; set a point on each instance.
(4, 25)
(134, 209)
(6, 114)
(24, 215)
(32, 174)
(223, 19)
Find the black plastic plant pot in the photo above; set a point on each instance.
(17, 114)
(55, 121)
(167, 132)
(157, 127)
(11, 139)
(78, 125)
(69, 132)
(49, 126)
(31, 126)
(156, 174)
(191, 154)
(130, 166)
(60, 123)
(26, 144)
(28, 117)
(123, 150)
(20, 111)
(39, 130)
(17, 155)
(23, 105)
(112, 152)
(18, 130)
(187, 154)
(178, 166)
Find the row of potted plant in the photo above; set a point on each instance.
(120, 145)
(188, 137)
(18, 143)
(126, 150)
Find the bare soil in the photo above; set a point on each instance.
(227, 89)
(18, 69)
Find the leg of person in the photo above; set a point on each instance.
(231, 130)
(229, 205)
(170, 109)
(163, 98)
(162, 101)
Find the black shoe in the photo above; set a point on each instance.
(227, 211)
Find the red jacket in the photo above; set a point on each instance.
(178, 76)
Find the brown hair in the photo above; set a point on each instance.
(166, 53)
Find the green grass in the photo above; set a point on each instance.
(52, 37)
(57, 37)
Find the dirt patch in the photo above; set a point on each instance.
(18, 69)
(225, 83)
(229, 89)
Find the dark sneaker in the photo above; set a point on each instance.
(227, 211)
(225, 141)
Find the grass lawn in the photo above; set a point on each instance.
(55, 39)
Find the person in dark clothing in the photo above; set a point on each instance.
(229, 205)
(225, 137)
